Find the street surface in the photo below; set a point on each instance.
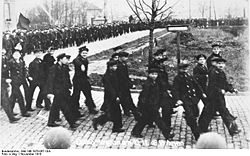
(29, 132)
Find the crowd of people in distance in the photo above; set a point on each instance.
(68, 36)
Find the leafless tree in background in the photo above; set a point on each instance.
(151, 12)
(59, 12)
(203, 7)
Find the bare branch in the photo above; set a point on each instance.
(144, 12)
(165, 3)
(158, 3)
(135, 11)
(169, 14)
(175, 3)
(162, 12)
(135, 5)
(161, 16)
(146, 4)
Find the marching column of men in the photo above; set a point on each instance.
(49, 77)
(187, 91)
(18, 75)
(216, 89)
(208, 84)
(125, 85)
(58, 91)
(62, 37)
(37, 79)
(111, 104)
(149, 104)
(81, 82)
(6, 90)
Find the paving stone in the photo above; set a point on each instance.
(29, 132)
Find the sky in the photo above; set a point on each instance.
(120, 8)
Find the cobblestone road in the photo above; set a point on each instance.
(28, 133)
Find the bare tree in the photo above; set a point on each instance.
(59, 12)
(229, 13)
(66, 11)
(82, 11)
(202, 7)
(39, 14)
(150, 13)
(71, 14)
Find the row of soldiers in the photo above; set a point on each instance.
(52, 78)
(77, 35)
(66, 36)
(208, 83)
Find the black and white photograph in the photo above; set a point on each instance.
(124, 74)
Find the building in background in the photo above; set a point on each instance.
(94, 14)
(9, 15)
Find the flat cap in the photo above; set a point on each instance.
(216, 45)
(218, 59)
(52, 48)
(62, 55)
(154, 69)
(200, 55)
(159, 52)
(114, 55)
(183, 65)
(111, 63)
(117, 48)
(123, 54)
(83, 48)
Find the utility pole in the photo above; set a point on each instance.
(214, 11)
(1, 33)
(189, 9)
(112, 18)
(105, 10)
(177, 29)
(210, 14)
(244, 13)
(66, 12)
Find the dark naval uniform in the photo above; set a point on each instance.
(48, 61)
(166, 100)
(112, 110)
(149, 104)
(186, 89)
(5, 98)
(18, 75)
(217, 83)
(36, 71)
(200, 74)
(81, 83)
(59, 85)
(124, 84)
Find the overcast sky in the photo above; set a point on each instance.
(120, 8)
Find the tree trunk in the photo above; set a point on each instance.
(66, 12)
(151, 45)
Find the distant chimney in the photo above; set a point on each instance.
(244, 13)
